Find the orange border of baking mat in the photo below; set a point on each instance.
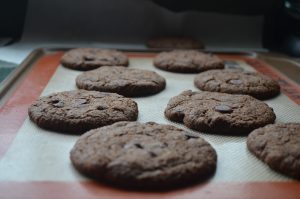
(87, 190)
(14, 112)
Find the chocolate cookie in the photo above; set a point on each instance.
(147, 155)
(278, 145)
(79, 110)
(91, 58)
(187, 61)
(174, 43)
(237, 82)
(122, 80)
(219, 112)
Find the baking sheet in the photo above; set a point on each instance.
(37, 155)
(41, 155)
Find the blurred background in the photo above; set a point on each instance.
(257, 25)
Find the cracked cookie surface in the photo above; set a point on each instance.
(278, 145)
(187, 61)
(237, 82)
(121, 80)
(79, 110)
(223, 113)
(146, 155)
(92, 58)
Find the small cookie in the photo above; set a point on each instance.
(237, 82)
(121, 80)
(187, 61)
(91, 58)
(174, 43)
(219, 112)
(79, 110)
(144, 155)
(278, 145)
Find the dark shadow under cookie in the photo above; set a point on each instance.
(187, 61)
(92, 58)
(219, 113)
(79, 110)
(237, 82)
(278, 145)
(143, 155)
(122, 80)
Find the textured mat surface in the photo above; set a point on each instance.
(49, 151)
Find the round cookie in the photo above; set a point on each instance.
(278, 145)
(174, 43)
(91, 58)
(144, 155)
(79, 110)
(219, 112)
(187, 61)
(121, 80)
(237, 82)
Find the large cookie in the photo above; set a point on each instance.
(219, 112)
(174, 43)
(91, 58)
(147, 155)
(122, 80)
(237, 82)
(187, 61)
(278, 145)
(79, 110)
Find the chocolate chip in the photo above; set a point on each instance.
(236, 81)
(130, 145)
(100, 108)
(80, 102)
(54, 101)
(152, 154)
(89, 58)
(249, 73)
(138, 145)
(223, 109)
(59, 104)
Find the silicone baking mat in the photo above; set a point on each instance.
(35, 162)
